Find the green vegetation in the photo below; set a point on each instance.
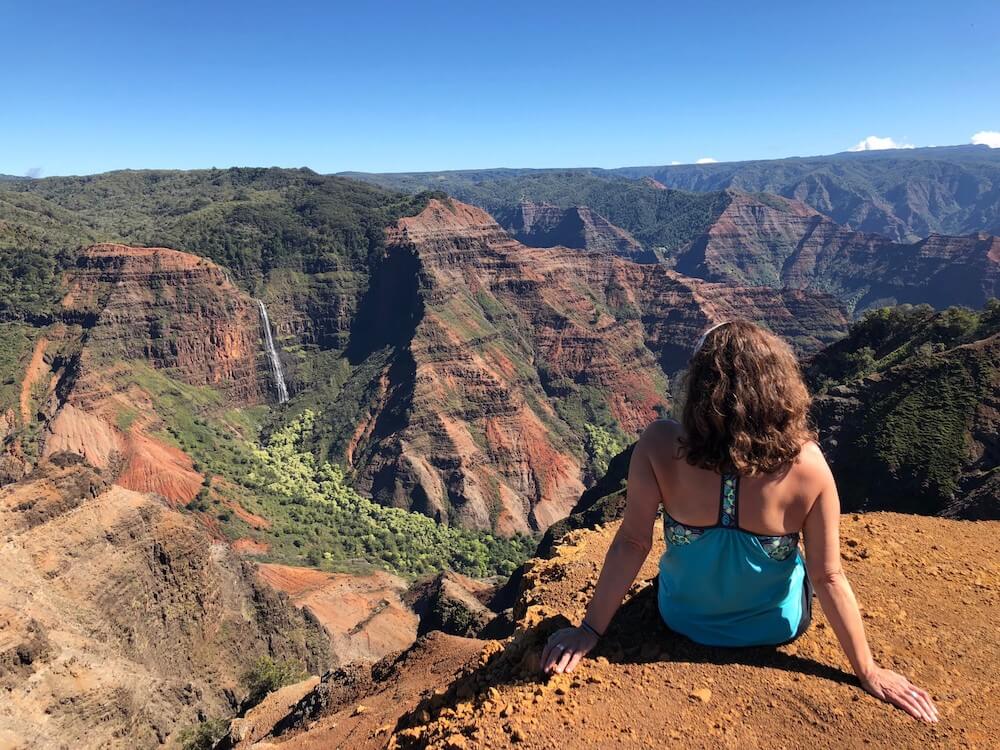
(890, 336)
(202, 736)
(268, 675)
(317, 515)
(918, 377)
(602, 446)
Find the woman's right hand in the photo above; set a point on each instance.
(895, 689)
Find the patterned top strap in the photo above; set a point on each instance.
(730, 511)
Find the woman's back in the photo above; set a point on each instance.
(770, 504)
(732, 574)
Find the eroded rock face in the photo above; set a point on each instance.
(172, 310)
(129, 308)
(122, 622)
(510, 350)
(781, 242)
(452, 603)
(365, 615)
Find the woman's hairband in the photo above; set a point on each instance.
(701, 340)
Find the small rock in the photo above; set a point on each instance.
(359, 709)
(701, 694)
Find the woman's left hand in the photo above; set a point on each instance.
(565, 648)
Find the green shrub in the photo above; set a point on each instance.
(202, 736)
(268, 675)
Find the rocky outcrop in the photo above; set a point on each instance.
(452, 603)
(926, 610)
(366, 616)
(578, 227)
(127, 312)
(509, 351)
(778, 242)
(122, 622)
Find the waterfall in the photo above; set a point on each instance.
(272, 354)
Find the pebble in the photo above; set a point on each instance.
(701, 694)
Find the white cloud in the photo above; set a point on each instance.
(707, 160)
(875, 143)
(989, 138)
(674, 163)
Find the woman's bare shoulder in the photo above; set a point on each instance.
(659, 440)
(661, 432)
(811, 464)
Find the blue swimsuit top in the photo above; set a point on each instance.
(722, 586)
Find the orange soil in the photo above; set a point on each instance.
(248, 546)
(36, 368)
(152, 466)
(364, 614)
(928, 588)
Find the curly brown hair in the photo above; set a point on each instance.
(746, 409)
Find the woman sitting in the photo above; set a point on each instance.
(738, 480)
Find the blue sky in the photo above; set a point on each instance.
(393, 86)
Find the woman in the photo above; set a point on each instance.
(738, 480)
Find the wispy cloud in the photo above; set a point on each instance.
(875, 143)
(989, 138)
(707, 160)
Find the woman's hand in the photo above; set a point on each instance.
(565, 648)
(895, 689)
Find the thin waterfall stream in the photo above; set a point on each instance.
(272, 354)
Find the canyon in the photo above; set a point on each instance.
(479, 419)
(167, 415)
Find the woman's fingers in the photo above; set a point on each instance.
(925, 703)
(905, 702)
(564, 660)
(546, 652)
(574, 661)
(909, 700)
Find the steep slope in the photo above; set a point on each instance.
(909, 411)
(480, 419)
(761, 239)
(548, 225)
(122, 622)
(926, 608)
(130, 319)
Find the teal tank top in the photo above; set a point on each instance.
(722, 586)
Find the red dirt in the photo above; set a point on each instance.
(928, 588)
(35, 369)
(247, 546)
(364, 614)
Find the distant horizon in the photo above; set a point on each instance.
(866, 153)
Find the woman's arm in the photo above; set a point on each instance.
(625, 557)
(822, 542)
